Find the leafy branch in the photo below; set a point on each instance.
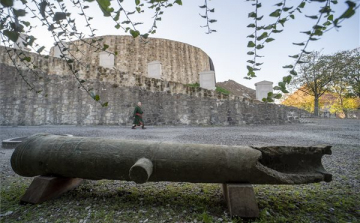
(206, 16)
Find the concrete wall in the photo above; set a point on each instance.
(181, 62)
(164, 103)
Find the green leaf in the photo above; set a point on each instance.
(263, 36)
(307, 32)
(292, 16)
(19, 13)
(105, 104)
(212, 20)
(287, 79)
(288, 66)
(7, 3)
(40, 49)
(295, 56)
(287, 8)
(26, 23)
(117, 16)
(277, 31)
(318, 32)
(117, 26)
(179, 2)
(105, 47)
(97, 97)
(293, 72)
(268, 40)
(302, 4)
(350, 11)
(251, 44)
(137, 2)
(275, 13)
(277, 96)
(299, 44)
(27, 59)
(43, 5)
(252, 15)
(252, 25)
(134, 33)
(269, 27)
(250, 53)
(259, 47)
(145, 36)
(312, 16)
(251, 61)
(104, 5)
(11, 35)
(59, 16)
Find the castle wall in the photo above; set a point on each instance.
(180, 62)
(164, 103)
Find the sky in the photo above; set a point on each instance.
(228, 46)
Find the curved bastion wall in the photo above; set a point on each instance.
(164, 102)
(180, 62)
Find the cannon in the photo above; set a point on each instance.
(75, 158)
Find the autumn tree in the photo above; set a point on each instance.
(346, 84)
(318, 71)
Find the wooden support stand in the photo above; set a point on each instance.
(240, 199)
(45, 188)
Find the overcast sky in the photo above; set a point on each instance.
(227, 46)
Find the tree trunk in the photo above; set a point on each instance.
(316, 106)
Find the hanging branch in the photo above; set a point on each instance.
(206, 16)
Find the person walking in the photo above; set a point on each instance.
(138, 121)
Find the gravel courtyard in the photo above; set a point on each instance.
(113, 201)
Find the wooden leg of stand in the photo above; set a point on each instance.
(240, 199)
(45, 188)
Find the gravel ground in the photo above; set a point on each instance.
(338, 201)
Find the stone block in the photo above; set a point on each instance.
(207, 80)
(262, 89)
(240, 199)
(154, 70)
(44, 188)
(106, 60)
(59, 49)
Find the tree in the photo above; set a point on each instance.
(300, 99)
(318, 71)
(352, 74)
(346, 84)
(62, 26)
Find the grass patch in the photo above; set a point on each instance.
(196, 85)
(222, 90)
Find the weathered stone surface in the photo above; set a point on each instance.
(241, 201)
(181, 62)
(99, 158)
(164, 103)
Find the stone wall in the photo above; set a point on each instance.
(164, 103)
(180, 62)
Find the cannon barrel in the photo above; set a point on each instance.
(142, 161)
